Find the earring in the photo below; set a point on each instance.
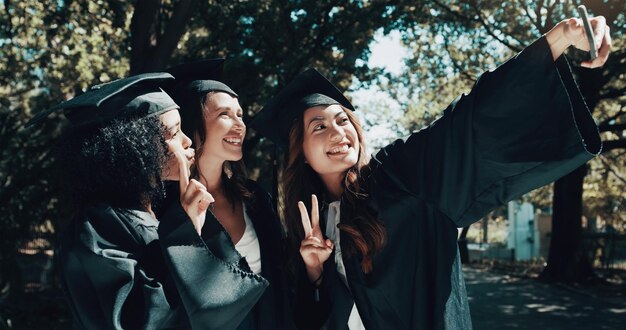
(228, 170)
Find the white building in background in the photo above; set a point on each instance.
(529, 233)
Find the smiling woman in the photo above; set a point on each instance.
(223, 118)
(331, 144)
(247, 223)
(379, 251)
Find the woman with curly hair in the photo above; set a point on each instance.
(213, 117)
(382, 251)
(124, 265)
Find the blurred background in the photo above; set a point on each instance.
(556, 257)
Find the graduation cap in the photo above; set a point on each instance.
(307, 90)
(195, 79)
(138, 94)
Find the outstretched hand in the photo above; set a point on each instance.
(574, 31)
(194, 197)
(314, 249)
(571, 32)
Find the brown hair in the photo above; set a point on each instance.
(366, 233)
(234, 174)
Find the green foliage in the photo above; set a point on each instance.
(50, 51)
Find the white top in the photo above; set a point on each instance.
(332, 232)
(248, 245)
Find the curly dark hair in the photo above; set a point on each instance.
(119, 162)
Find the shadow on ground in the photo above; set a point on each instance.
(504, 302)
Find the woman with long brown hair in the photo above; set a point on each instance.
(380, 251)
(212, 116)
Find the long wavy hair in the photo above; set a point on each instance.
(119, 163)
(365, 231)
(234, 174)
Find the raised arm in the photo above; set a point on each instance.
(522, 126)
(571, 32)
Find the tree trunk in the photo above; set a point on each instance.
(567, 262)
(152, 40)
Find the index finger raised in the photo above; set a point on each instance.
(183, 172)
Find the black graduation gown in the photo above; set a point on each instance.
(271, 311)
(523, 125)
(113, 274)
(114, 270)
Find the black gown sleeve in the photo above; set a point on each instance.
(312, 305)
(522, 126)
(216, 293)
(105, 275)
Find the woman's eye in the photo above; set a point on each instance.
(319, 127)
(343, 120)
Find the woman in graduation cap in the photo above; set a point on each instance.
(248, 230)
(124, 142)
(380, 252)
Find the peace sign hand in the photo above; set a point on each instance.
(313, 248)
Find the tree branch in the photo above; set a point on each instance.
(450, 11)
(610, 94)
(530, 18)
(9, 26)
(176, 27)
(612, 128)
(538, 24)
(479, 20)
(613, 144)
(462, 71)
(610, 168)
(489, 31)
(549, 23)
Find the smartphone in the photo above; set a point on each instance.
(593, 52)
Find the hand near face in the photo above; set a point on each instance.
(313, 248)
(194, 197)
